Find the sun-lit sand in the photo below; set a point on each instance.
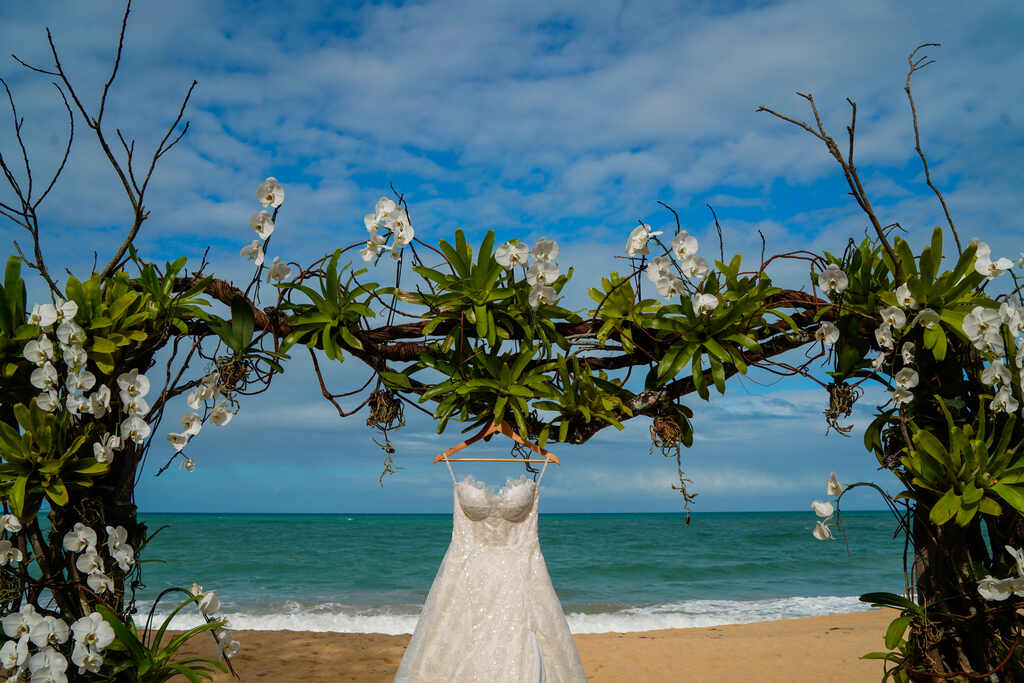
(814, 649)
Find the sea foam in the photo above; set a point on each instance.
(401, 619)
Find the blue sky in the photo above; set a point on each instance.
(564, 120)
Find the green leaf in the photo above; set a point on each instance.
(717, 373)
(16, 496)
(56, 491)
(698, 376)
(987, 506)
(242, 323)
(894, 634)
(1014, 495)
(396, 379)
(945, 508)
(102, 345)
(138, 651)
(350, 338)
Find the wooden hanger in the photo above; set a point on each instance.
(493, 428)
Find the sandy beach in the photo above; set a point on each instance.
(825, 648)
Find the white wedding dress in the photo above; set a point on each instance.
(492, 615)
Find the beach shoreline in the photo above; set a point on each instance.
(787, 650)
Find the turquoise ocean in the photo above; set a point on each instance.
(613, 572)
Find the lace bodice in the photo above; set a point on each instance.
(512, 502)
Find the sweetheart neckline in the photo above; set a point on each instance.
(510, 484)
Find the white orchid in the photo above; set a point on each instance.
(827, 332)
(278, 271)
(901, 395)
(188, 464)
(80, 538)
(927, 318)
(704, 303)
(227, 645)
(511, 254)
(135, 430)
(253, 252)
(374, 246)
(80, 380)
(984, 264)
(221, 414)
(74, 356)
(543, 272)
(833, 279)
(136, 405)
(9, 553)
(103, 450)
(1011, 317)
(76, 404)
(43, 315)
(38, 351)
(10, 523)
(981, 326)
(694, 267)
(45, 377)
(684, 245)
(70, 333)
(66, 310)
(177, 441)
(271, 193)
(401, 227)
(1000, 589)
(117, 537)
(89, 562)
(49, 631)
(822, 509)
(100, 582)
(878, 362)
(659, 268)
(93, 631)
(48, 665)
(904, 297)
(48, 401)
(979, 321)
(636, 245)
(262, 223)
(1004, 401)
(894, 315)
(542, 294)
(132, 384)
(996, 373)
(120, 550)
(191, 423)
(907, 378)
(86, 658)
(209, 603)
(125, 557)
(832, 486)
(196, 397)
(907, 352)
(545, 250)
(669, 287)
(883, 335)
(18, 624)
(822, 532)
(14, 654)
(99, 401)
(382, 210)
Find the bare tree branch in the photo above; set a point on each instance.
(917, 66)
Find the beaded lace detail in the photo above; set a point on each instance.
(492, 615)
